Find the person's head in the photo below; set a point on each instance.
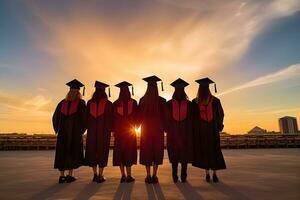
(203, 93)
(150, 101)
(99, 91)
(99, 94)
(73, 94)
(179, 93)
(124, 94)
(152, 90)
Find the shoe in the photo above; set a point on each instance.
(148, 179)
(130, 179)
(175, 178)
(183, 178)
(95, 178)
(101, 179)
(123, 179)
(62, 179)
(215, 178)
(154, 179)
(70, 179)
(207, 178)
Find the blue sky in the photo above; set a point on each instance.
(250, 48)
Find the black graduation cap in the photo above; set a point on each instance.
(204, 82)
(75, 84)
(125, 84)
(154, 79)
(99, 84)
(179, 83)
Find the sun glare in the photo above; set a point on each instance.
(138, 130)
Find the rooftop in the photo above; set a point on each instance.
(251, 174)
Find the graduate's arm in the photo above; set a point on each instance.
(56, 118)
(114, 111)
(138, 114)
(83, 116)
(110, 116)
(135, 114)
(220, 115)
(165, 115)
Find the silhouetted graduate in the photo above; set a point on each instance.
(208, 123)
(152, 115)
(100, 121)
(69, 124)
(125, 147)
(179, 131)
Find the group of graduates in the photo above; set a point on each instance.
(192, 129)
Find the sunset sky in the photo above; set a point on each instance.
(251, 48)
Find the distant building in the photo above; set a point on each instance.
(257, 131)
(288, 124)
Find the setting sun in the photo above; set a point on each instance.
(137, 130)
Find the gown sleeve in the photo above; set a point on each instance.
(220, 115)
(195, 114)
(56, 118)
(83, 116)
(168, 115)
(135, 114)
(110, 117)
(138, 114)
(165, 114)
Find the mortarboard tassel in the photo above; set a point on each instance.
(162, 86)
(132, 91)
(83, 92)
(215, 88)
(109, 91)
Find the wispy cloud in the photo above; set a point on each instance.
(273, 111)
(17, 106)
(192, 37)
(283, 74)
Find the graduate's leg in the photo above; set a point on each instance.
(174, 168)
(62, 177)
(148, 177)
(154, 177)
(95, 177)
(183, 169)
(183, 172)
(100, 174)
(207, 177)
(95, 170)
(207, 171)
(148, 170)
(129, 177)
(215, 177)
(101, 169)
(122, 170)
(174, 171)
(155, 168)
(128, 170)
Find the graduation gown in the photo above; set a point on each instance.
(152, 134)
(69, 123)
(99, 127)
(125, 147)
(179, 131)
(208, 122)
